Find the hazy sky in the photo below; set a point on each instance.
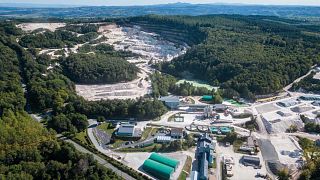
(143, 2)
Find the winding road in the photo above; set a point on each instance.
(99, 159)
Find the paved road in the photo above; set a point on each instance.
(101, 160)
(305, 135)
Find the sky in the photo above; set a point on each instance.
(149, 2)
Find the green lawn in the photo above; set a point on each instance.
(83, 138)
(197, 83)
(106, 127)
(145, 133)
(117, 143)
(186, 169)
(151, 148)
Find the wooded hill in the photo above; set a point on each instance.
(251, 54)
(98, 68)
(27, 149)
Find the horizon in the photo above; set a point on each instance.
(53, 3)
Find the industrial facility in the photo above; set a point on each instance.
(204, 155)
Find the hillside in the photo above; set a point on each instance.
(98, 68)
(27, 149)
(253, 55)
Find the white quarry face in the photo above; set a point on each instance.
(148, 46)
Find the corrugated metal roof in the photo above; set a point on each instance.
(163, 138)
(169, 98)
(164, 160)
(157, 169)
(126, 129)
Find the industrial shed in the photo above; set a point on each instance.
(157, 169)
(207, 98)
(164, 160)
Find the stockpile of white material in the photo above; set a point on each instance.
(29, 27)
(276, 124)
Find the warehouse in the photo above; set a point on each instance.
(251, 161)
(157, 169)
(128, 130)
(172, 102)
(125, 130)
(163, 139)
(164, 160)
(207, 98)
(220, 107)
(160, 166)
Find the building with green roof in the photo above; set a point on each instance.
(157, 169)
(225, 130)
(164, 160)
(214, 130)
(207, 98)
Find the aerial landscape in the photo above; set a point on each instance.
(152, 90)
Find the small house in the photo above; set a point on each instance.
(177, 133)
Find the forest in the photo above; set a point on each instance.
(249, 54)
(162, 84)
(27, 149)
(56, 39)
(308, 84)
(98, 68)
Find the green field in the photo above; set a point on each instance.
(197, 83)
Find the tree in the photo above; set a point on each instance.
(101, 119)
(293, 128)
(283, 175)
(217, 99)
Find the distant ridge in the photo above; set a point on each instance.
(76, 11)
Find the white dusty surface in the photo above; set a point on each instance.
(28, 27)
(240, 171)
(148, 46)
(282, 142)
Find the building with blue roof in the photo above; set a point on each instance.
(204, 155)
(172, 102)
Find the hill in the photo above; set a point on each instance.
(253, 55)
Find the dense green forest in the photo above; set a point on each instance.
(27, 149)
(162, 84)
(308, 84)
(311, 170)
(98, 68)
(249, 54)
(56, 39)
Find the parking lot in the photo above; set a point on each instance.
(241, 171)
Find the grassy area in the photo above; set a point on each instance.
(83, 139)
(106, 127)
(186, 169)
(117, 143)
(196, 83)
(235, 103)
(152, 148)
(214, 164)
(146, 133)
